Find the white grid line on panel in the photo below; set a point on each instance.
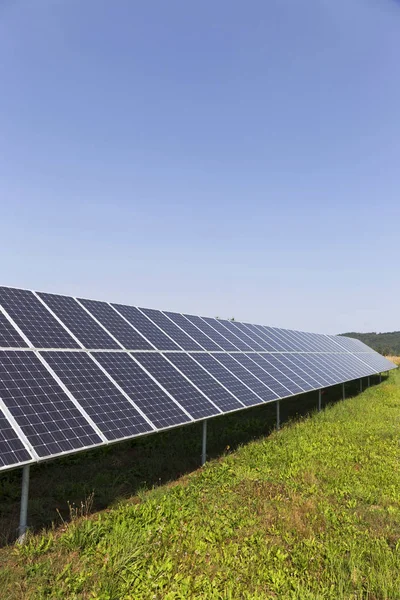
(59, 320)
(215, 379)
(19, 330)
(188, 334)
(18, 431)
(101, 325)
(221, 334)
(255, 376)
(221, 323)
(193, 384)
(270, 375)
(119, 388)
(284, 374)
(162, 387)
(204, 333)
(135, 329)
(73, 399)
(162, 331)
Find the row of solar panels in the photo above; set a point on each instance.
(58, 402)
(45, 320)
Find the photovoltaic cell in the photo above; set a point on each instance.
(148, 396)
(228, 379)
(310, 378)
(12, 450)
(262, 373)
(9, 336)
(248, 378)
(195, 403)
(279, 362)
(226, 332)
(207, 384)
(275, 342)
(79, 322)
(34, 320)
(248, 336)
(268, 344)
(146, 327)
(193, 331)
(116, 325)
(113, 414)
(309, 365)
(45, 414)
(265, 363)
(179, 336)
(216, 337)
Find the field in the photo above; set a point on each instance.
(310, 512)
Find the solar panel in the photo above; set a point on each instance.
(247, 336)
(116, 325)
(171, 329)
(147, 328)
(113, 413)
(193, 331)
(258, 334)
(197, 405)
(12, 450)
(79, 322)
(228, 379)
(46, 415)
(264, 363)
(35, 321)
(78, 373)
(216, 337)
(248, 378)
(246, 360)
(205, 382)
(224, 329)
(154, 402)
(9, 336)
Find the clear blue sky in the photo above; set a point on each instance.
(219, 157)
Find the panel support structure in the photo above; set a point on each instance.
(23, 516)
(380, 377)
(319, 400)
(343, 392)
(278, 416)
(204, 444)
(360, 384)
(368, 382)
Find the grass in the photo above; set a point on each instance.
(310, 512)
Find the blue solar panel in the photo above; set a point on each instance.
(249, 337)
(12, 450)
(188, 396)
(113, 413)
(116, 325)
(223, 328)
(308, 363)
(235, 385)
(246, 360)
(188, 327)
(216, 337)
(258, 334)
(9, 336)
(205, 382)
(248, 378)
(46, 415)
(308, 377)
(147, 328)
(79, 322)
(174, 332)
(34, 320)
(264, 363)
(152, 400)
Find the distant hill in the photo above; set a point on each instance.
(385, 343)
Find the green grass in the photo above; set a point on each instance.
(311, 512)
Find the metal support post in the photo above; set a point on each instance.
(343, 392)
(204, 444)
(360, 384)
(319, 400)
(380, 377)
(368, 382)
(23, 516)
(278, 416)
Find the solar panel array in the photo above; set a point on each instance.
(77, 373)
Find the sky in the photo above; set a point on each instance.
(221, 158)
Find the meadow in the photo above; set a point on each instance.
(309, 512)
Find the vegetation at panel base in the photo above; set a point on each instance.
(310, 512)
(387, 344)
